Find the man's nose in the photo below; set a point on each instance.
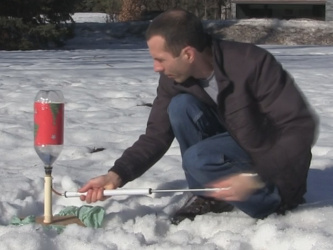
(157, 67)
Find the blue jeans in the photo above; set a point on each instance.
(209, 153)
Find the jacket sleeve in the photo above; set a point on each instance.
(287, 160)
(152, 145)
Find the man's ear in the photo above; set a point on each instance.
(188, 53)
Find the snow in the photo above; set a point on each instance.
(105, 92)
(90, 17)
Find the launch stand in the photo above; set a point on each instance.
(49, 218)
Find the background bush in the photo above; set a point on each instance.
(35, 24)
(44, 24)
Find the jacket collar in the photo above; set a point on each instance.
(192, 85)
(220, 74)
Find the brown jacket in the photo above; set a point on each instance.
(259, 105)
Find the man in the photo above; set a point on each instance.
(241, 123)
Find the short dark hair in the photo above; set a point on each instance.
(179, 28)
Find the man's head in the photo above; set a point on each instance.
(179, 28)
(174, 38)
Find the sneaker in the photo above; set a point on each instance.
(198, 205)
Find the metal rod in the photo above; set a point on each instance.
(187, 190)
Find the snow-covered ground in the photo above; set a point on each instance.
(105, 92)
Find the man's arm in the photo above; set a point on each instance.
(152, 145)
(287, 160)
(288, 113)
(145, 152)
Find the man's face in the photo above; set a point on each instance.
(177, 68)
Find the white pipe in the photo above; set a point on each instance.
(113, 192)
(142, 191)
(47, 199)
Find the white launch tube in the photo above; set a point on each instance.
(113, 192)
(142, 191)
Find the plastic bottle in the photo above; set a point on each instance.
(49, 125)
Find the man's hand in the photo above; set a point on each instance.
(96, 186)
(236, 187)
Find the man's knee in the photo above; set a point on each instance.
(178, 105)
(195, 159)
(190, 159)
(207, 162)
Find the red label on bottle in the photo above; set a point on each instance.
(49, 123)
